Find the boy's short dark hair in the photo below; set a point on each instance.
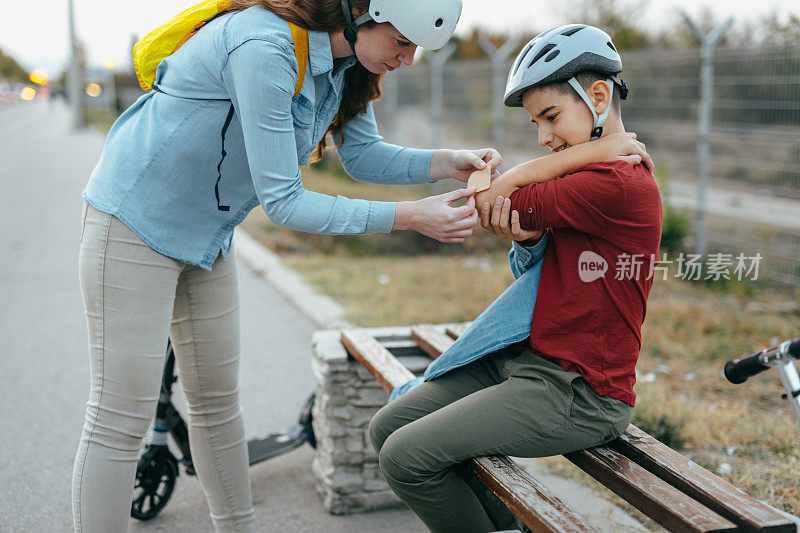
(586, 78)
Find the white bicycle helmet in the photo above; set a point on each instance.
(426, 23)
(559, 54)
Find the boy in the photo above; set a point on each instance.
(568, 385)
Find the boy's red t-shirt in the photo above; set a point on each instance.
(607, 212)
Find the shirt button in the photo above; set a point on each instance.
(530, 210)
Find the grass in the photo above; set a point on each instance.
(745, 433)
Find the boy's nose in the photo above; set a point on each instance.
(544, 137)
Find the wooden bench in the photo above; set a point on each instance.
(664, 485)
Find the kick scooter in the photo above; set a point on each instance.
(157, 469)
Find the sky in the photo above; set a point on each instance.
(35, 33)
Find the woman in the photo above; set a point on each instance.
(220, 134)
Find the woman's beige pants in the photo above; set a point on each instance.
(131, 295)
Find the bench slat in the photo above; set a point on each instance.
(653, 496)
(456, 330)
(431, 340)
(389, 372)
(712, 491)
(538, 508)
(528, 499)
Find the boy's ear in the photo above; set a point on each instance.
(600, 93)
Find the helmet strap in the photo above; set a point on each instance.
(623, 87)
(599, 121)
(351, 28)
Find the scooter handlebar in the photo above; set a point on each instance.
(794, 349)
(738, 370)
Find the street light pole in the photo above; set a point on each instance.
(74, 77)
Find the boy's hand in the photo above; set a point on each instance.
(623, 147)
(499, 219)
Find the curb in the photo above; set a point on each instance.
(323, 310)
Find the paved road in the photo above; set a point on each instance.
(44, 363)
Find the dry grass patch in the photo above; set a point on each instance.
(377, 291)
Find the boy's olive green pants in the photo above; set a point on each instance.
(503, 404)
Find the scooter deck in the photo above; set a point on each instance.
(276, 444)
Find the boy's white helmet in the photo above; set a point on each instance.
(557, 55)
(426, 23)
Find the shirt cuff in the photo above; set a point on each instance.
(381, 217)
(531, 253)
(521, 203)
(420, 169)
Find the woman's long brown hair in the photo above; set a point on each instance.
(360, 85)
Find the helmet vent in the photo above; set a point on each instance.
(546, 48)
(551, 56)
(439, 22)
(610, 45)
(521, 57)
(572, 31)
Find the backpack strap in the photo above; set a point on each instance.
(300, 36)
(170, 36)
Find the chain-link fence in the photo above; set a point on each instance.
(754, 195)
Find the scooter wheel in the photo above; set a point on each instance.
(155, 481)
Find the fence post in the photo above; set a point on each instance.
(498, 57)
(437, 61)
(708, 43)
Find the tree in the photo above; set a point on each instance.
(775, 31)
(11, 70)
(621, 20)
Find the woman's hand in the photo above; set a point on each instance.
(622, 147)
(434, 217)
(498, 221)
(459, 164)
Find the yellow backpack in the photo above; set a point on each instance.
(167, 38)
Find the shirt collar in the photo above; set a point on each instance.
(320, 55)
(319, 52)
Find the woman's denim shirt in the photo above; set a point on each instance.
(221, 133)
(506, 321)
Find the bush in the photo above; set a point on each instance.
(677, 224)
(662, 428)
